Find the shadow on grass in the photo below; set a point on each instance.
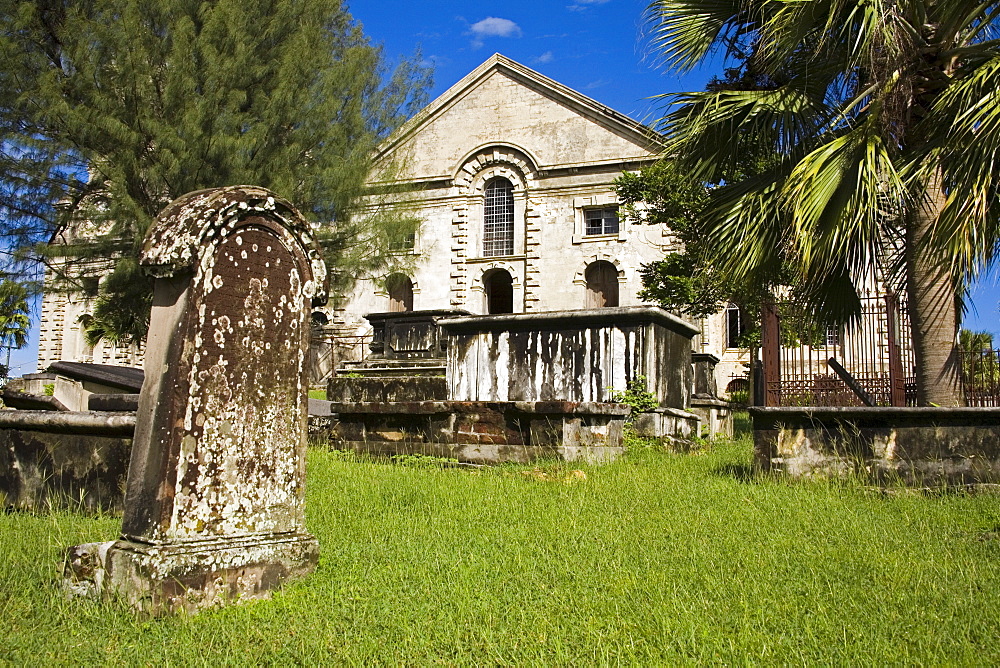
(744, 473)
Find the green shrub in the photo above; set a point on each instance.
(636, 396)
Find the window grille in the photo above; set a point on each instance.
(601, 221)
(498, 218)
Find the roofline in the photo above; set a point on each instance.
(447, 180)
(584, 105)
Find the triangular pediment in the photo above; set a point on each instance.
(502, 102)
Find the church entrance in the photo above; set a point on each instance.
(499, 287)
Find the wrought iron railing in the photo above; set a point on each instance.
(873, 352)
(981, 377)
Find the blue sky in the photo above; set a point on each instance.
(593, 46)
(598, 47)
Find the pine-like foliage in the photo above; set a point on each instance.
(130, 104)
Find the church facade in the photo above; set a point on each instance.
(512, 177)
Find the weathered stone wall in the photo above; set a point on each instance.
(64, 459)
(912, 446)
(404, 388)
(580, 356)
(482, 432)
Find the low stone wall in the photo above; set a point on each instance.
(64, 459)
(716, 417)
(913, 446)
(482, 432)
(403, 388)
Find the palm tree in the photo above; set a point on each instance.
(15, 318)
(884, 120)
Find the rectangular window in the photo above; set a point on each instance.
(601, 221)
(404, 244)
(832, 335)
(734, 326)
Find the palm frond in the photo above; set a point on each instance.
(686, 31)
(711, 131)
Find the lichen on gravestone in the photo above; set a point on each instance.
(214, 499)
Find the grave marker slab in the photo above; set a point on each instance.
(214, 499)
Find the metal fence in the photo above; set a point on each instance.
(981, 377)
(874, 351)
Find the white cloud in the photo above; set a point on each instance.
(492, 26)
(435, 61)
(545, 57)
(580, 5)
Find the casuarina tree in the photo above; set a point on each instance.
(129, 104)
(884, 117)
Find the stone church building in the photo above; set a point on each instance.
(511, 175)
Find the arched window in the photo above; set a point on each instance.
(734, 326)
(498, 218)
(400, 289)
(499, 288)
(602, 284)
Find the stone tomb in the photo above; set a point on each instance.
(582, 356)
(407, 361)
(214, 499)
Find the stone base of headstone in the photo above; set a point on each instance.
(666, 423)
(187, 576)
(716, 417)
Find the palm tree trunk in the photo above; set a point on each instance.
(933, 308)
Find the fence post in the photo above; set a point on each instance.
(770, 345)
(897, 384)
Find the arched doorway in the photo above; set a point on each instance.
(602, 284)
(400, 289)
(499, 288)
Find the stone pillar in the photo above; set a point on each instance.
(704, 375)
(214, 499)
(716, 415)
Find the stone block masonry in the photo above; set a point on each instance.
(482, 432)
(925, 447)
(214, 499)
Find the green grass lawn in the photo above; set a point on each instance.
(659, 558)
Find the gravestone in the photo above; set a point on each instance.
(214, 499)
